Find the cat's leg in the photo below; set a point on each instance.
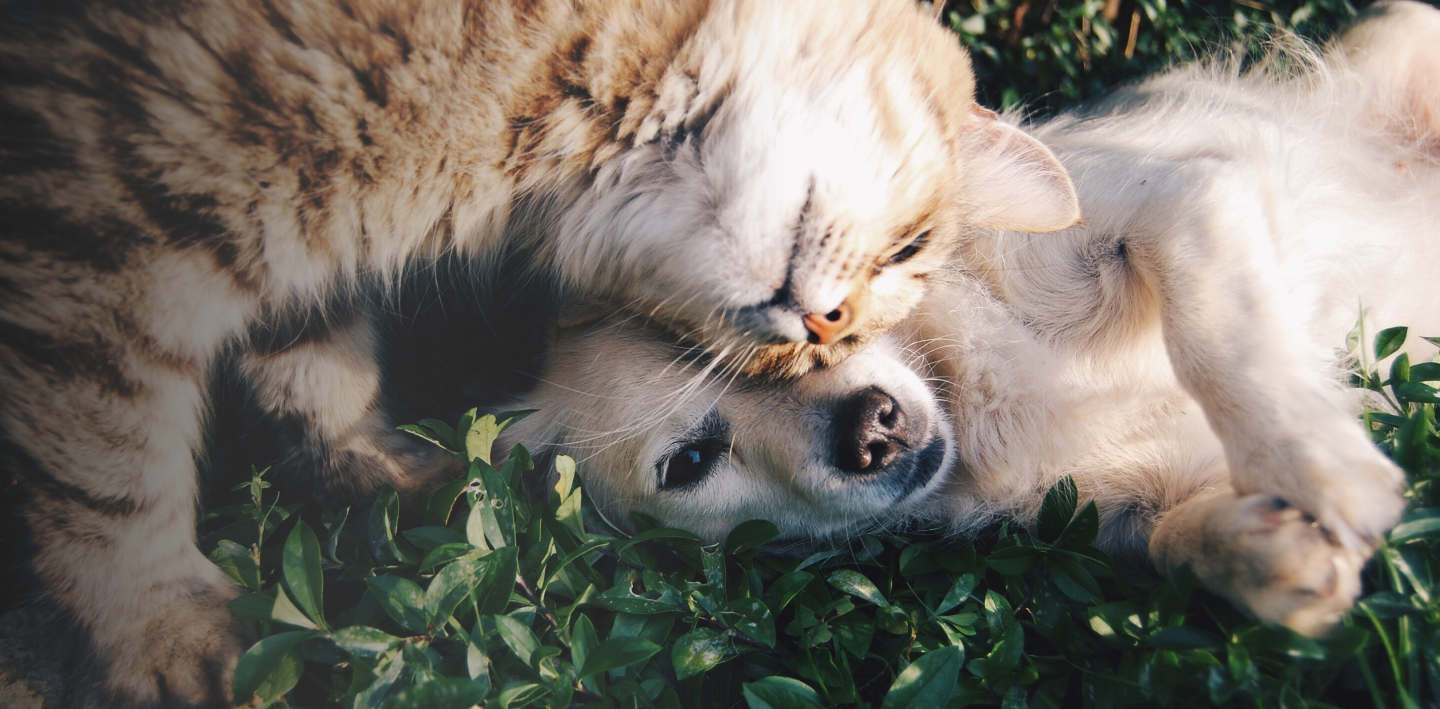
(1237, 340)
(1263, 555)
(102, 408)
(323, 386)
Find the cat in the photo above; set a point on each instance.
(177, 179)
(1175, 353)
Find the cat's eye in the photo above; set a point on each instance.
(912, 248)
(687, 465)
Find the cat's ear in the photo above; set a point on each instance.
(1013, 181)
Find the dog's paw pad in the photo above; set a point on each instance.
(1287, 568)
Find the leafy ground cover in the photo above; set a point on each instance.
(508, 593)
(1050, 54)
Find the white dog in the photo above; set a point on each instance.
(1175, 354)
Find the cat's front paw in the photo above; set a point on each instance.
(1279, 563)
(181, 654)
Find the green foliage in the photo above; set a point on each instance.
(502, 597)
(1050, 54)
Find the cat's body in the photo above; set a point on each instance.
(181, 178)
(1175, 353)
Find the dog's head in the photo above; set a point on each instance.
(799, 173)
(662, 431)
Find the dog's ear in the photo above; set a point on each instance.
(1014, 182)
(1395, 49)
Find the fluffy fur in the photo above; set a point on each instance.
(182, 178)
(1175, 353)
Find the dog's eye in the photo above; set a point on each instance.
(690, 464)
(910, 249)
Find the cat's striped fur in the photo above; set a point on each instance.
(181, 177)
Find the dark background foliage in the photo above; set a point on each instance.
(1051, 54)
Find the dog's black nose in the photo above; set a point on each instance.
(871, 432)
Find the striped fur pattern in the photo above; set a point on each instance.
(1175, 353)
(179, 178)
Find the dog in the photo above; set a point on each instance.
(1174, 354)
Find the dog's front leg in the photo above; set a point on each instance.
(1236, 335)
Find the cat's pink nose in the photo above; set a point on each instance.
(827, 328)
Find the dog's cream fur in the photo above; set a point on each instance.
(1175, 354)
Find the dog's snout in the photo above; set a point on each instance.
(872, 431)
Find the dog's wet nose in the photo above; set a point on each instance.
(871, 432)
(827, 328)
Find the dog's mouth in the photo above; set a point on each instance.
(918, 470)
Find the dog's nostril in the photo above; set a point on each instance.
(871, 432)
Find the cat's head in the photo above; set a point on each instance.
(800, 172)
(663, 430)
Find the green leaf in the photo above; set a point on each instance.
(1417, 393)
(778, 692)
(381, 529)
(402, 599)
(303, 575)
(1058, 508)
(254, 607)
(1184, 637)
(284, 611)
(1013, 560)
(477, 665)
(698, 651)
(1400, 369)
(660, 533)
(442, 501)
(1389, 341)
(517, 637)
(620, 598)
(496, 509)
(856, 584)
(750, 535)
(364, 641)
(492, 595)
(236, 562)
(1082, 530)
(616, 653)
(1415, 528)
(1425, 372)
(446, 553)
(1073, 580)
(754, 619)
(928, 682)
(481, 437)
(785, 588)
(564, 479)
(270, 668)
(429, 435)
(518, 694)
(583, 640)
(439, 693)
(958, 593)
(854, 631)
(448, 588)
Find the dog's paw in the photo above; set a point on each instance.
(181, 654)
(1279, 563)
(1334, 474)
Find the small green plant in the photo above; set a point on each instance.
(509, 592)
(1051, 54)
